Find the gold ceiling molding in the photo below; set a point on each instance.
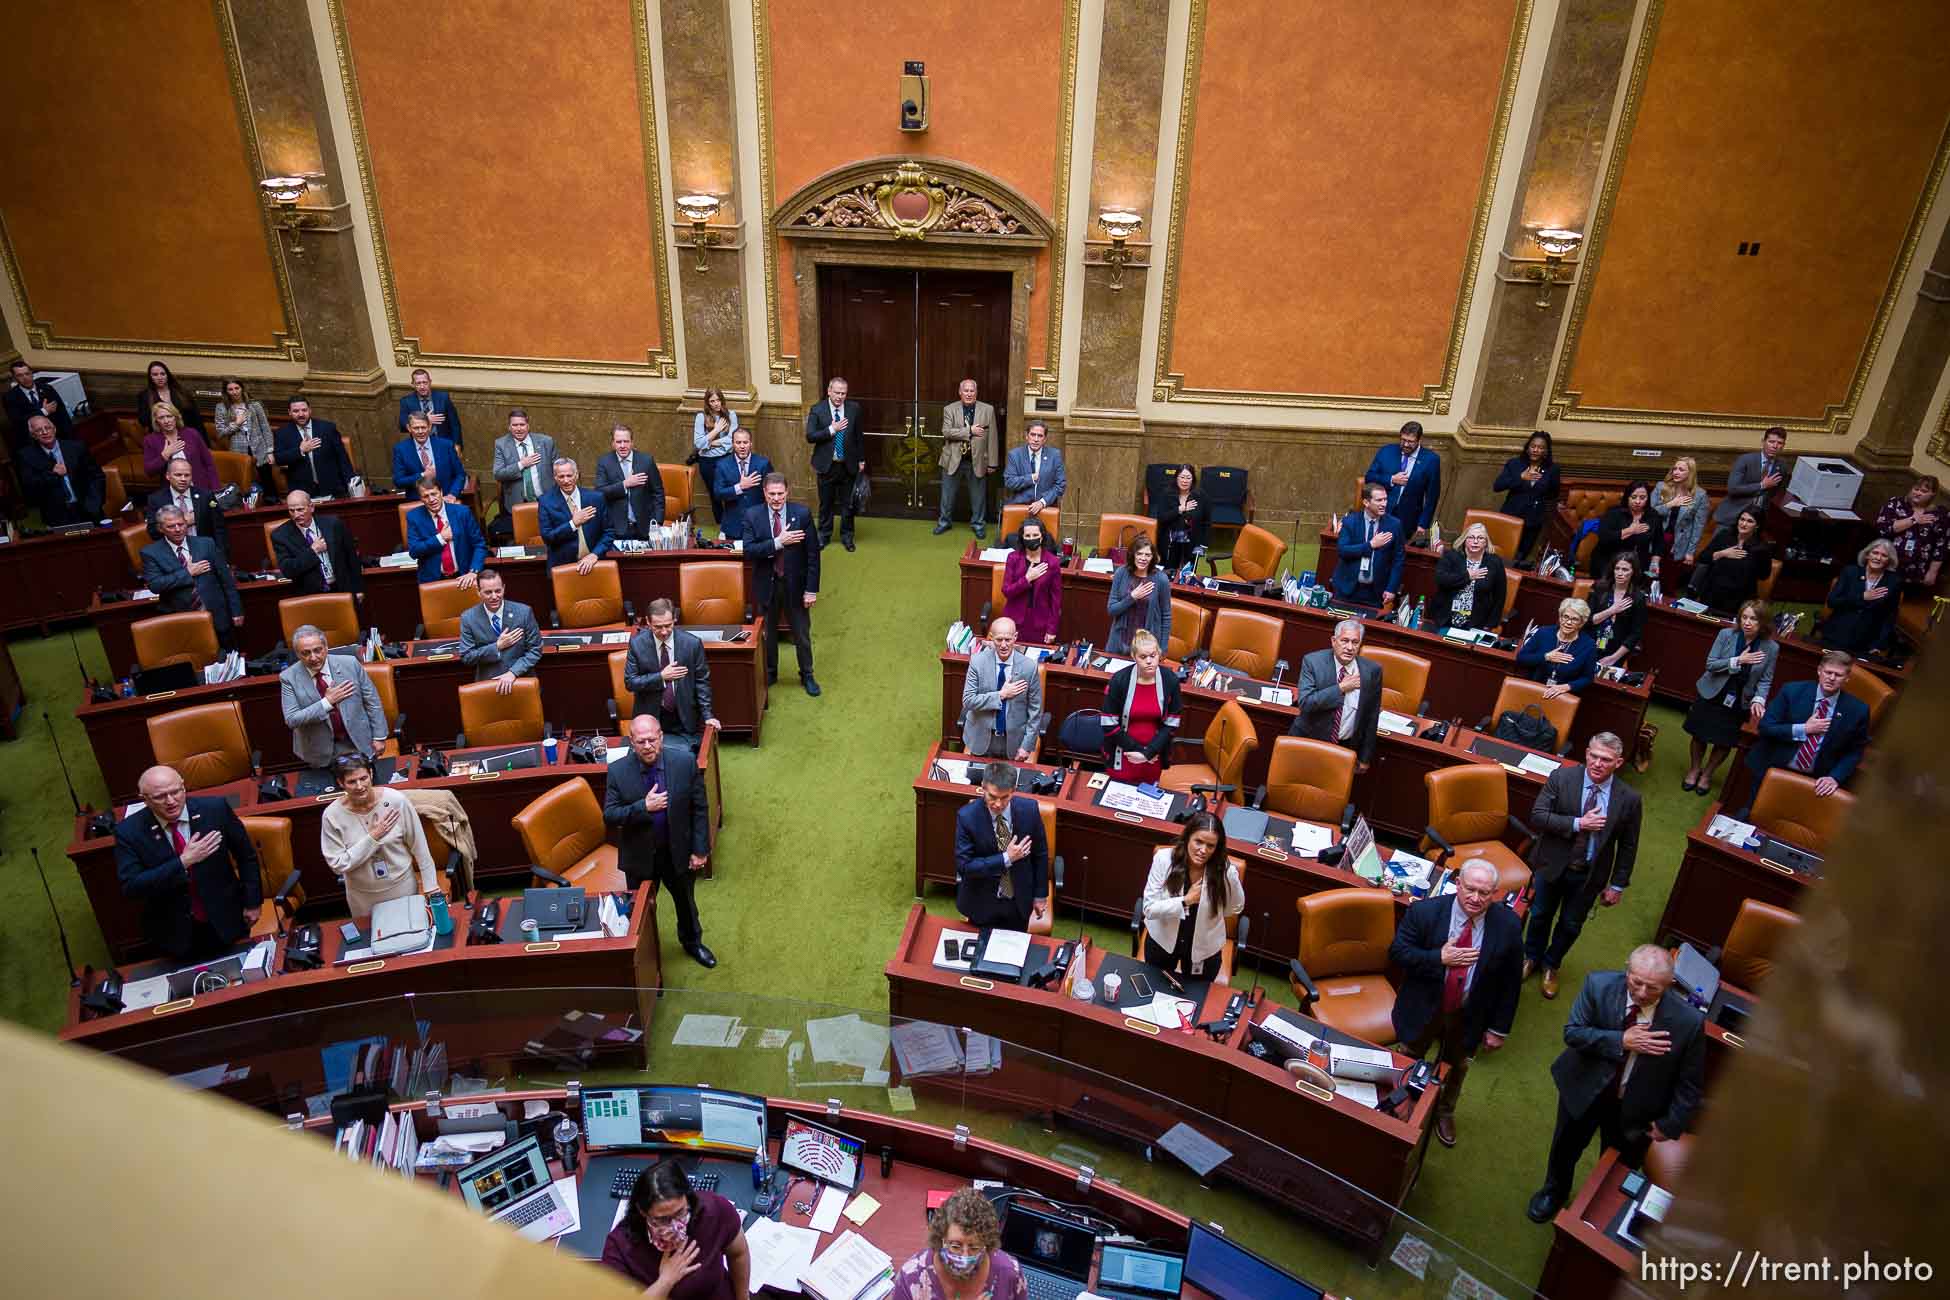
(1566, 403)
(957, 204)
(658, 363)
(285, 344)
(1939, 445)
(1169, 385)
(848, 214)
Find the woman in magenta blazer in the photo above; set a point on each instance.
(168, 439)
(1032, 586)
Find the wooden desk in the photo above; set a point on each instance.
(1584, 1259)
(1714, 878)
(53, 578)
(1288, 1144)
(1418, 565)
(371, 521)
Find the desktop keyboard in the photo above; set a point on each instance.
(1042, 1286)
(620, 1186)
(539, 1208)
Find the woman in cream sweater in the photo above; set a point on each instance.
(373, 841)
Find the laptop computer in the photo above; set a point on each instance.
(1225, 1270)
(1054, 1253)
(1128, 1273)
(512, 1186)
(169, 677)
(555, 909)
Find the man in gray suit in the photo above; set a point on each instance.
(1755, 478)
(1001, 677)
(1340, 695)
(499, 636)
(330, 703)
(967, 456)
(522, 460)
(667, 670)
(1034, 473)
(1633, 1068)
(1587, 827)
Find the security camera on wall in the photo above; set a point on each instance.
(914, 95)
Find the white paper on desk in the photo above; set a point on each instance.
(780, 1253)
(511, 552)
(1721, 828)
(703, 634)
(1120, 796)
(847, 1040)
(1280, 695)
(1163, 1011)
(703, 1031)
(1391, 723)
(994, 554)
(565, 1190)
(960, 936)
(397, 560)
(1288, 1032)
(1100, 564)
(1310, 839)
(1355, 1090)
(1537, 765)
(1116, 665)
(143, 593)
(826, 1214)
(478, 1143)
(956, 768)
(152, 992)
(1007, 947)
(615, 638)
(471, 1109)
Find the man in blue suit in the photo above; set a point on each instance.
(573, 522)
(435, 405)
(1369, 570)
(1033, 474)
(192, 573)
(1413, 478)
(1001, 857)
(1814, 728)
(442, 535)
(738, 481)
(190, 864)
(419, 453)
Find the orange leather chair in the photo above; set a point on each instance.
(270, 548)
(1757, 933)
(711, 591)
(1122, 530)
(1469, 809)
(1404, 678)
(1188, 624)
(134, 538)
(1580, 589)
(527, 519)
(1341, 974)
(677, 490)
(1666, 1162)
(332, 613)
(1245, 642)
(1046, 923)
(993, 610)
(441, 605)
(235, 467)
(114, 494)
(1229, 741)
(271, 837)
(205, 743)
(186, 638)
(446, 861)
(1505, 531)
(1257, 553)
(382, 682)
(1051, 517)
(563, 833)
(412, 504)
(1512, 588)
(1518, 692)
(1788, 807)
(622, 700)
(594, 599)
(1764, 589)
(1308, 779)
(488, 717)
(1875, 693)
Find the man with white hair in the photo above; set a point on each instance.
(573, 523)
(1632, 1070)
(1463, 958)
(190, 864)
(189, 573)
(1340, 695)
(329, 703)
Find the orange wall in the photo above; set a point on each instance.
(1336, 160)
(1808, 127)
(508, 156)
(995, 71)
(128, 199)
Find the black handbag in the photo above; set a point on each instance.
(862, 492)
(1529, 728)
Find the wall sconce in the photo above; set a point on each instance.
(1557, 244)
(283, 193)
(699, 209)
(1120, 226)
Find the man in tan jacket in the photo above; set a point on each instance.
(968, 454)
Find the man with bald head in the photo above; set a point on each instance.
(315, 551)
(199, 505)
(189, 573)
(662, 815)
(1462, 955)
(59, 476)
(1001, 698)
(188, 862)
(1632, 1070)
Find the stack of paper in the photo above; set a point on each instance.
(1726, 828)
(922, 1047)
(848, 1040)
(984, 1054)
(1391, 723)
(1538, 765)
(1164, 1011)
(852, 1268)
(708, 1031)
(1120, 796)
(1099, 564)
(780, 1252)
(1309, 839)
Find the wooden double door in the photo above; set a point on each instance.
(905, 338)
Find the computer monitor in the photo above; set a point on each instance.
(690, 1121)
(822, 1153)
(1228, 1271)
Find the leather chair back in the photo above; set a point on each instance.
(1229, 742)
(114, 494)
(1581, 590)
(270, 547)
(1122, 530)
(1520, 691)
(711, 591)
(1666, 1162)
(488, 717)
(382, 682)
(441, 605)
(1246, 642)
(1469, 802)
(1047, 923)
(677, 490)
(442, 853)
(134, 538)
(562, 831)
(1512, 588)
(1257, 553)
(1309, 779)
(412, 503)
(995, 591)
(1188, 626)
(1787, 807)
(1404, 678)
(622, 698)
(1764, 589)
(588, 600)
(271, 838)
(1505, 531)
(205, 743)
(1871, 690)
(1583, 503)
(331, 612)
(235, 467)
(1051, 517)
(1346, 932)
(186, 638)
(1758, 929)
(527, 523)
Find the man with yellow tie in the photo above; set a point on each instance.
(573, 522)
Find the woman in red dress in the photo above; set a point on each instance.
(1140, 714)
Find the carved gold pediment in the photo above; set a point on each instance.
(889, 198)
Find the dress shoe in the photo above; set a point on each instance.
(812, 687)
(1445, 1130)
(1543, 1206)
(1529, 969)
(701, 955)
(981, 533)
(847, 542)
(940, 528)
(771, 679)
(1550, 982)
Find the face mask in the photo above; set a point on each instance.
(961, 1265)
(669, 1236)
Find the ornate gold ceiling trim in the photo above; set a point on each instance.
(1939, 445)
(863, 199)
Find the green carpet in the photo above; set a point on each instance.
(817, 849)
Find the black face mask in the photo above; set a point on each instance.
(1032, 547)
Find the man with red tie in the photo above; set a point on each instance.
(784, 549)
(442, 535)
(1462, 956)
(1815, 728)
(419, 454)
(190, 863)
(188, 573)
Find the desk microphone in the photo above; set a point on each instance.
(97, 693)
(61, 758)
(105, 999)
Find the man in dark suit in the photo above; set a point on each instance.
(28, 397)
(192, 573)
(58, 475)
(1413, 478)
(666, 668)
(315, 551)
(313, 454)
(444, 538)
(1463, 959)
(1339, 696)
(199, 505)
(1001, 857)
(839, 455)
(738, 481)
(1369, 570)
(1632, 1069)
(1755, 478)
(1815, 728)
(572, 521)
(191, 865)
(436, 405)
(1587, 827)
(630, 486)
(662, 814)
(784, 551)
(500, 637)
(419, 454)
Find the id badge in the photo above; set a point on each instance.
(1367, 567)
(1729, 702)
(378, 872)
